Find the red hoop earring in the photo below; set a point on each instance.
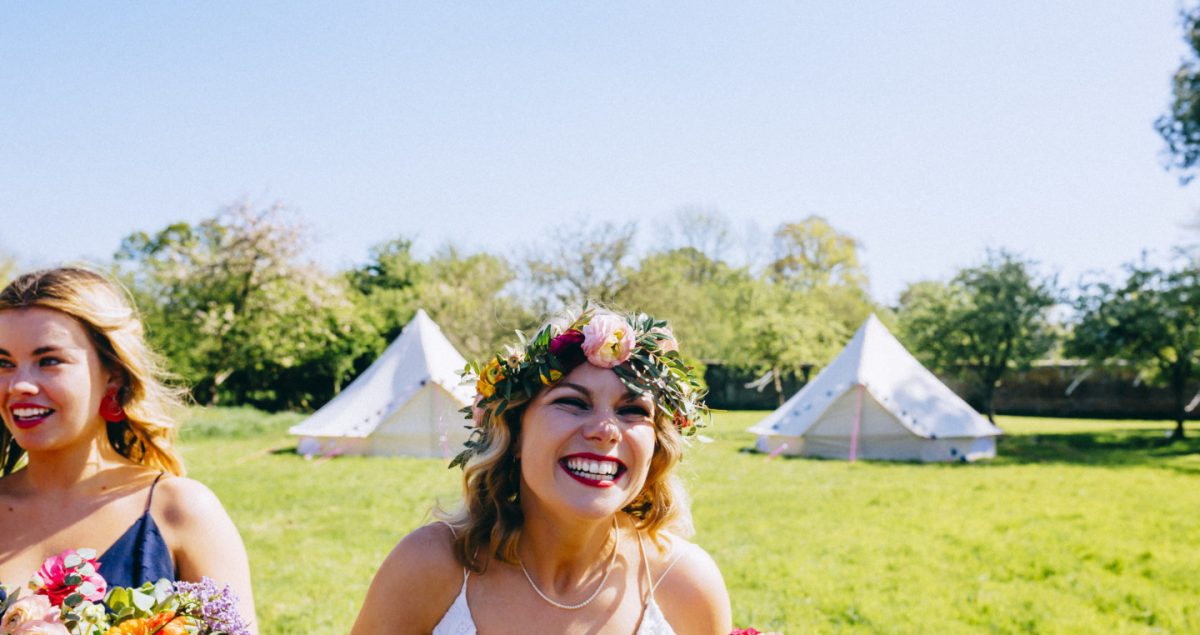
(110, 409)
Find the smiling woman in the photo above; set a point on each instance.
(572, 518)
(86, 451)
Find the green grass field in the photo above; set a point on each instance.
(1077, 527)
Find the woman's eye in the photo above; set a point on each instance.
(574, 402)
(49, 361)
(4, 363)
(636, 411)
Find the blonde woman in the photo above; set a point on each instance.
(572, 520)
(86, 451)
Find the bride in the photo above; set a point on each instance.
(572, 519)
(86, 450)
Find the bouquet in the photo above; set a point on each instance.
(69, 597)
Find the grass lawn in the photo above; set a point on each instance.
(1076, 527)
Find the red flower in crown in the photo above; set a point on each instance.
(568, 349)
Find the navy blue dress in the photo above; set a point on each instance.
(140, 555)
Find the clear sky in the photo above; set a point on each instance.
(930, 130)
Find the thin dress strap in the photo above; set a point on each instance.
(646, 562)
(150, 496)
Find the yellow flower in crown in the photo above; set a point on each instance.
(550, 377)
(488, 377)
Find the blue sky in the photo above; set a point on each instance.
(931, 131)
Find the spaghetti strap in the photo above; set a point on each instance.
(150, 496)
(666, 571)
(646, 562)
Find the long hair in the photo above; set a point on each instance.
(488, 522)
(106, 312)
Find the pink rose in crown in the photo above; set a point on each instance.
(607, 341)
(27, 610)
(70, 572)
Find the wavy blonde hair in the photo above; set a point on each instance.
(107, 314)
(488, 522)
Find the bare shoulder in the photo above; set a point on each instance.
(414, 586)
(181, 502)
(691, 591)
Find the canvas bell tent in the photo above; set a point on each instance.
(406, 404)
(876, 401)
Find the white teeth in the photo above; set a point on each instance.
(26, 413)
(592, 469)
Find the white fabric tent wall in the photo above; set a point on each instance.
(875, 401)
(406, 403)
(427, 425)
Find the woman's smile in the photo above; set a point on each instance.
(593, 470)
(29, 415)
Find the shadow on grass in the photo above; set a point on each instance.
(1109, 448)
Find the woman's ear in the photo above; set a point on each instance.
(117, 382)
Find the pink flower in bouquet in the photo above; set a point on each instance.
(41, 627)
(31, 608)
(607, 341)
(70, 572)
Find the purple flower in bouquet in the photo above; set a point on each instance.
(218, 607)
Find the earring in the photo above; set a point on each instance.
(110, 409)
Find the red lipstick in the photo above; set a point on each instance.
(593, 470)
(27, 422)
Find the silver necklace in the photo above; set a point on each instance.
(571, 607)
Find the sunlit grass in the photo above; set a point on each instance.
(1078, 526)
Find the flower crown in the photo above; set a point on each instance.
(640, 349)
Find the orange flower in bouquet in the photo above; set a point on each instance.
(165, 623)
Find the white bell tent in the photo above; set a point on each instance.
(406, 403)
(876, 401)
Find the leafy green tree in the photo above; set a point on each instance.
(784, 331)
(1180, 126)
(388, 286)
(578, 262)
(467, 295)
(233, 302)
(704, 299)
(812, 253)
(1151, 320)
(987, 321)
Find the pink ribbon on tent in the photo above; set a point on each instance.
(857, 424)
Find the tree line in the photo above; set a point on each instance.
(245, 316)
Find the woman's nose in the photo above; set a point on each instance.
(603, 428)
(20, 383)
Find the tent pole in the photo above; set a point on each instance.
(857, 423)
